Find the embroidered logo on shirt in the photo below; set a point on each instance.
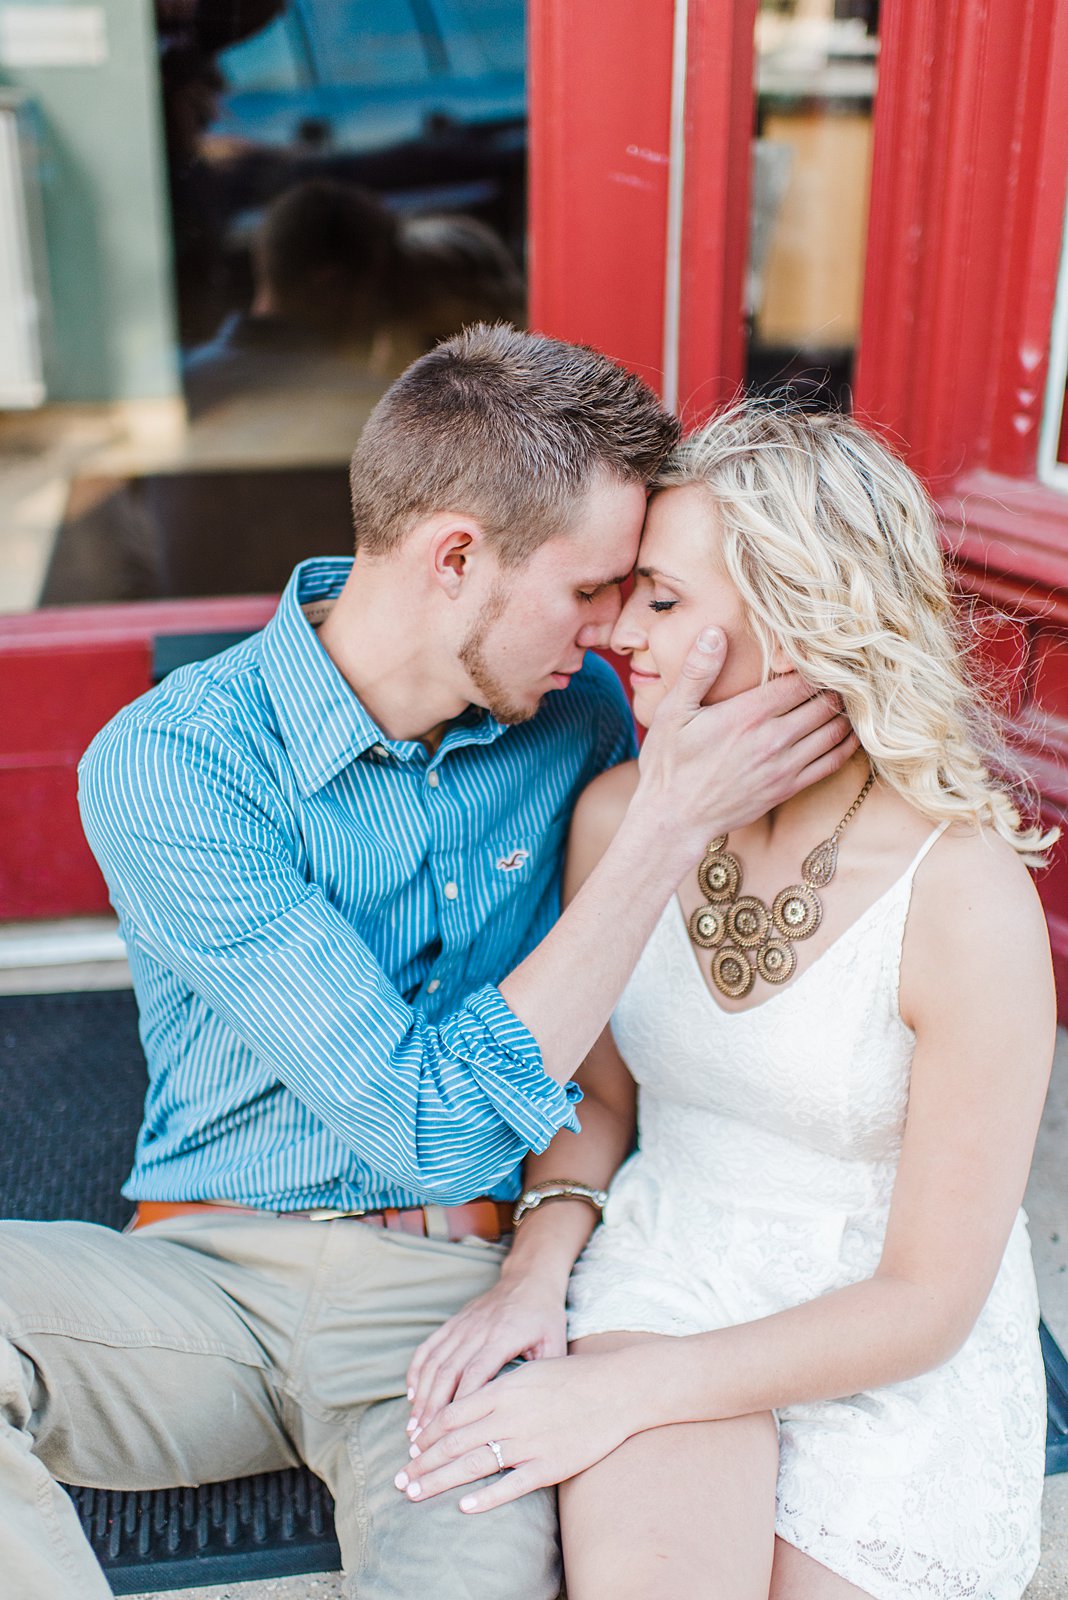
(512, 862)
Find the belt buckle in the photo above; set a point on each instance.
(328, 1214)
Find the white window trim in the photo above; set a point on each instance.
(1050, 470)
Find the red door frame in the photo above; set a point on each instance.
(969, 184)
(640, 129)
(970, 174)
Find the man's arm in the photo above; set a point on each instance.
(703, 771)
(198, 853)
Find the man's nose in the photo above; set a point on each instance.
(598, 629)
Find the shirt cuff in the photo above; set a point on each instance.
(505, 1061)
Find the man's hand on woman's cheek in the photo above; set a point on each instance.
(736, 760)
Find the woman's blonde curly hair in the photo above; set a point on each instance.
(833, 546)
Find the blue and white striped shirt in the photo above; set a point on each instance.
(316, 916)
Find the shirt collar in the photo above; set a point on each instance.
(324, 725)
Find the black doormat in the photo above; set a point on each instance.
(72, 1085)
(274, 1525)
(72, 1082)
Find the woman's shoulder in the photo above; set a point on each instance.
(977, 867)
(609, 794)
(596, 819)
(976, 919)
(961, 865)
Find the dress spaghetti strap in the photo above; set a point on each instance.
(931, 839)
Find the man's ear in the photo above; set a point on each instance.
(454, 545)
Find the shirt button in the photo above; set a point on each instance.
(433, 779)
(380, 752)
(451, 891)
(435, 983)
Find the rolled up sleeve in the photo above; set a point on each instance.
(202, 860)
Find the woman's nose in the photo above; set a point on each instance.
(628, 634)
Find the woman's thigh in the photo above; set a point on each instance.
(687, 1509)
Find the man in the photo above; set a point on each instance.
(326, 847)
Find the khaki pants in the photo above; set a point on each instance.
(206, 1348)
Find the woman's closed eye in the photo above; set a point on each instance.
(662, 605)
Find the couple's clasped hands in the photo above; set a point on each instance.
(552, 1417)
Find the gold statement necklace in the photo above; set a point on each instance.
(750, 938)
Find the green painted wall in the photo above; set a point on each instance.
(106, 217)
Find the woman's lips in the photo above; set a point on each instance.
(638, 678)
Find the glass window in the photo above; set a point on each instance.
(271, 60)
(816, 67)
(368, 43)
(340, 188)
(497, 32)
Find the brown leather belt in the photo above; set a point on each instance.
(485, 1219)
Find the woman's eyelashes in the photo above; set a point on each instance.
(662, 605)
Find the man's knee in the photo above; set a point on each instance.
(510, 1553)
(394, 1548)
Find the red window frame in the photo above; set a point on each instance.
(970, 177)
(969, 187)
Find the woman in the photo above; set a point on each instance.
(805, 1355)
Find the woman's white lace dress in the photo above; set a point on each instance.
(769, 1143)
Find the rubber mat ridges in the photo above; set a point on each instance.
(274, 1525)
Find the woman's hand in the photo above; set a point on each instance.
(551, 1419)
(519, 1316)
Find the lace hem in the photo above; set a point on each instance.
(888, 1571)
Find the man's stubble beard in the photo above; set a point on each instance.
(473, 659)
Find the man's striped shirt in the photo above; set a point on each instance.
(317, 915)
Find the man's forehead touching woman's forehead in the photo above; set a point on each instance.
(598, 584)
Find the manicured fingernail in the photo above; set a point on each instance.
(414, 1450)
(412, 1423)
(709, 640)
(467, 1503)
(410, 1394)
(401, 1480)
(414, 1491)
(417, 1430)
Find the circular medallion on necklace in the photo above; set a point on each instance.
(751, 939)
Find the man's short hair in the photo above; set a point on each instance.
(510, 428)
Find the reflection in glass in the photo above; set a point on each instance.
(347, 186)
(816, 68)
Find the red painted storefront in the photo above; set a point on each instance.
(640, 207)
(641, 121)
